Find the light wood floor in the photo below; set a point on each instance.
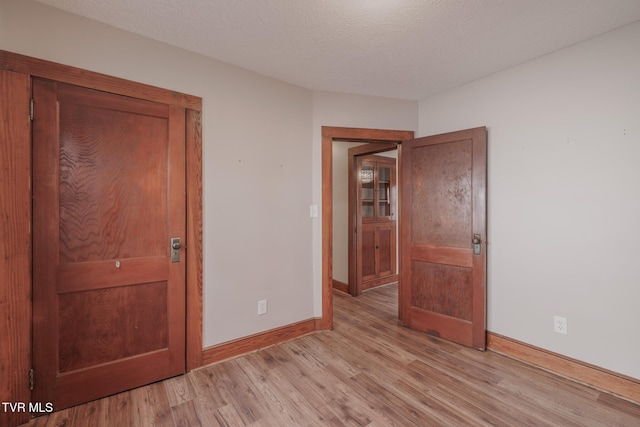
(367, 372)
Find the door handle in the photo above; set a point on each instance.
(477, 249)
(175, 249)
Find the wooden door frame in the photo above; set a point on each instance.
(15, 250)
(344, 134)
(372, 148)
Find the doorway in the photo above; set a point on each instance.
(386, 139)
(442, 284)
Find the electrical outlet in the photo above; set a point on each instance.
(262, 307)
(560, 325)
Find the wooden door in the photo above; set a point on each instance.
(443, 206)
(109, 194)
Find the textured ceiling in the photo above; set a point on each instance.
(407, 49)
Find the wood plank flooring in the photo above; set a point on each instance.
(366, 372)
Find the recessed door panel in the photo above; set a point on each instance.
(441, 194)
(368, 253)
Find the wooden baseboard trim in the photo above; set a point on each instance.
(379, 282)
(257, 341)
(341, 286)
(582, 372)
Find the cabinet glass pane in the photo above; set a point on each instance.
(366, 177)
(384, 185)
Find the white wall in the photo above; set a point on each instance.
(564, 200)
(257, 162)
(345, 110)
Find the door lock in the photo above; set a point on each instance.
(175, 249)
(476, 244)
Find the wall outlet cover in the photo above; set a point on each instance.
(262, 307)
(560, 325)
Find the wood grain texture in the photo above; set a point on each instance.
(194, 238)
(354, 193)
(15, 242)
(380, 282)
(386, 262)
(442, 206)
(368, 252)
(600, 378)
(105, 186)
(255, 342)
(480, 149)
(326, 322)
(110, 324)
(74, 277)
(45, 223)
(89, 79)
(374, 218)
(15, 203)
(109, 190)
(368, 371)
(340, 286)
(442, 289)
(441, 194)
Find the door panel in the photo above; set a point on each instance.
(443, 193)
(386, 248)
(109, 193)
(441, 190)
(368, 253)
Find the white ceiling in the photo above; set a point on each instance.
(407, 49)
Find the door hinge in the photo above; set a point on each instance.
(31, 379)
(31, 109)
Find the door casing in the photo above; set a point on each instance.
(329, 135)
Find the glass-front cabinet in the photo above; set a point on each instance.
(375, 221)
(377, 195)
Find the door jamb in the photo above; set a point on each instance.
(330, 134)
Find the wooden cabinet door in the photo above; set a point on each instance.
(386, 249)
(108, 196)
(377, 193)
(368, 253)
(378, 254)
(443, 193)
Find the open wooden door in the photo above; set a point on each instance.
(108, 199)
(443, 227)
